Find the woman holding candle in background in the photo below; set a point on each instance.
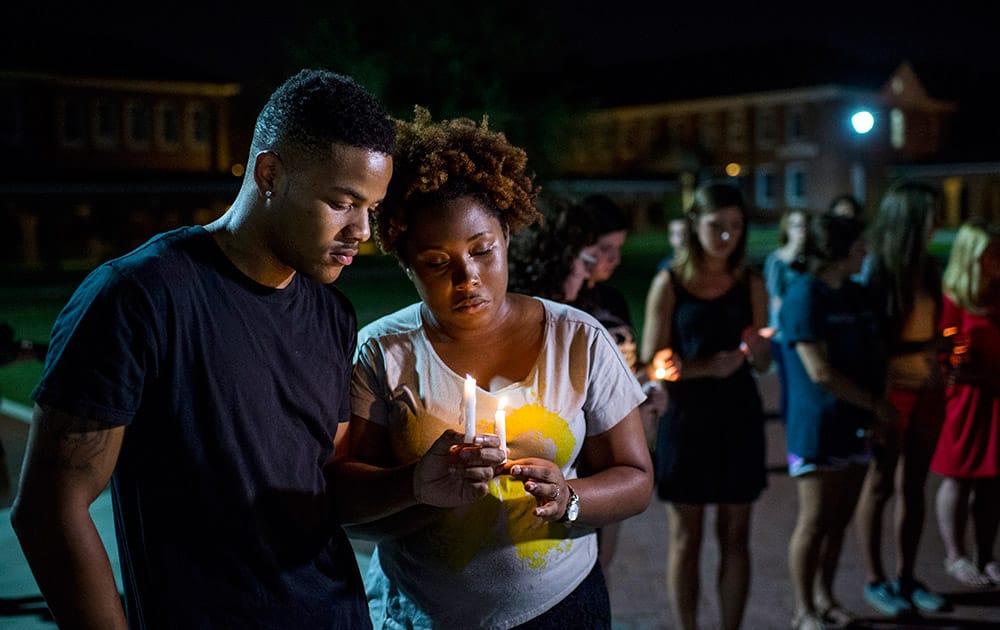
(968, 451)
(519, 550)
(710, 443)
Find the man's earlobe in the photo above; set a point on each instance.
(266, 169)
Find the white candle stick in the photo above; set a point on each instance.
(500, 423)
(470, 408)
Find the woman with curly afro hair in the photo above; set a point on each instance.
(474, 409)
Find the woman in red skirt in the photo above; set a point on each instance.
(968, 451)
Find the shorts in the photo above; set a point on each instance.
(918, 407)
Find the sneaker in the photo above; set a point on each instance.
(920, 596)
(884, 598)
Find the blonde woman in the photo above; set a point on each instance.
(968, 451)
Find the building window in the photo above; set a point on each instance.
(629, 138)
(897, 128)
(859, 181)
(72, 122)
(199, 127)
(708, 131)
(796, 185)
(605, 134)
(168, 126)
(137, 125)
(107, 122)
(795, 127)
(736, 130)
(680, 134)
(11, 117)
(766, 135)
(766, 187)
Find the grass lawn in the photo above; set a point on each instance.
(375, 284)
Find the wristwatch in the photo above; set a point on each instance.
(572, 506)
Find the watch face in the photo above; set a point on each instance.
(573, 509)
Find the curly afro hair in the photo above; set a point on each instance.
(542, 256)
(439, 161)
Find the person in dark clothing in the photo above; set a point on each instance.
(836, 397)
(204, 374)
(701, 333)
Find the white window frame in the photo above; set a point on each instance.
(795, 198)
(161, 110)
(766, 127)
(763, 174)
(12, 123)
(191, 113)
(736, 130)
(104, 140)
(708, 131)
(897, 128)
(130, 109)
(72, 107)
(795, 125)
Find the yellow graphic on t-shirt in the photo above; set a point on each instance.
(505, 517)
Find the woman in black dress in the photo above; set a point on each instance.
(702, 318)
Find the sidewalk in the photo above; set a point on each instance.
(636, 579)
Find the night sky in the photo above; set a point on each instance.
(228, 38)
(596, 53)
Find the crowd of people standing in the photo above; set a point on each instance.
(490, 437)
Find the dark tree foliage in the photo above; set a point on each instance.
(504, 60)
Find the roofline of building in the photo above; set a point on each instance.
(946, 169)
(220, 184)
(830, 92)
(155, 86)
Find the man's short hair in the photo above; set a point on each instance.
(317, 108)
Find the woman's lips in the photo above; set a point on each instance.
(471, 304)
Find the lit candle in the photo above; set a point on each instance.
(500, 423)
(470, 408)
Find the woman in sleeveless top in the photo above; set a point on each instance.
(702, 318)
(906, 281)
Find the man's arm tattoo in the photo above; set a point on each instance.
(75, 443)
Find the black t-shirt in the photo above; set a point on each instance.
(819, 424)
(231, 393)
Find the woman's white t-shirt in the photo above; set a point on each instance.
(492, 564)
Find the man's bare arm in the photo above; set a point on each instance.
(67, 464)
